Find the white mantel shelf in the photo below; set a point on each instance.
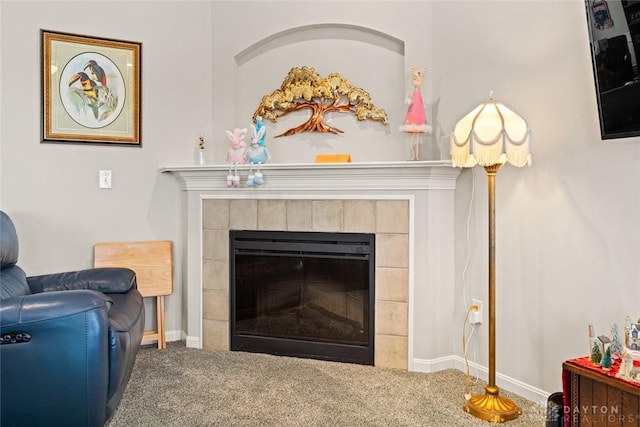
(397, 175)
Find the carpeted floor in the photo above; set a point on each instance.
(187, 387)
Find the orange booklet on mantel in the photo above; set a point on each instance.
(333, 158)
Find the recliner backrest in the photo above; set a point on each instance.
(8, 241)
(13, 280)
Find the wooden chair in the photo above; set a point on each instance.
(152, 262)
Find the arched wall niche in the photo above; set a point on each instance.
(321, 32)
(368, 58)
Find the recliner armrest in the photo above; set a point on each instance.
(59, 375)
(105, 280)
(31, 309)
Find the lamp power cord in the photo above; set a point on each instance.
(465, 343)
(470, 308)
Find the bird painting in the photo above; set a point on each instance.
(89, 92)
(88, 85)
(96, 71)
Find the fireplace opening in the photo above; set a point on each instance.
(303, 294)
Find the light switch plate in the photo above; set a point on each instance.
(104, 179)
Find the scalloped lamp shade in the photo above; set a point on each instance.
(491, 134)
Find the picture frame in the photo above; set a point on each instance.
(91, 90)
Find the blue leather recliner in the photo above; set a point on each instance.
(68, 341)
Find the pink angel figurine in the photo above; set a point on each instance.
(236, 155)
(415, 121)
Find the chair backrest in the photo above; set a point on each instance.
(8, 241)
(13, 281)
(151, 261)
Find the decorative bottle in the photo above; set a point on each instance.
(201, 151)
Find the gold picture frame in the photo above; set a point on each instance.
(90, 90)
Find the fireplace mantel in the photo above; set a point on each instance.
(427, 187)
(397, 175)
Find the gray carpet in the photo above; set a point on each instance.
(186, 387)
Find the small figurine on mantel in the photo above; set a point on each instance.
(201, 152)
(415, 122)
(236, 155)
(257, 154)
(259, 126)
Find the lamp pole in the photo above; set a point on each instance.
(491, 178)
(490, 406)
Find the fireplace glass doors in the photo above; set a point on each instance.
(303, 294)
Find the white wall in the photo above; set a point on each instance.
(567, 228)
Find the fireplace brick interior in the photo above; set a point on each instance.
(388, 219)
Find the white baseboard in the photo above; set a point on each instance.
(192, 342)
(503, 381)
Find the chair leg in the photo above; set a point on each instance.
(162, 344)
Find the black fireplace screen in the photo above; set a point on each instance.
(303, 294)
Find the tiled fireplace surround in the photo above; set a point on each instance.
(408, 205)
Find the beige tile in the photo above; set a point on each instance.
(392, 216)
(359, 216)
(215, 214)
(391, 352)
(388, 218)
(215, 275)
(215, 244)
(272, 214)
(392, 250)
(299, 215)
(392, 284)
(215, 335)
(326, 215)
(215, 305)
(243, 214)
(392, 318)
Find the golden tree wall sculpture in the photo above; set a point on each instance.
(303, 89)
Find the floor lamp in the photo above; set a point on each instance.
(490, 136)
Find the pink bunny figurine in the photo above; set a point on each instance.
(237, 154)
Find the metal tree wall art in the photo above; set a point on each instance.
(304, 89)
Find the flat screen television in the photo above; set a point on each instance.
(614, 33)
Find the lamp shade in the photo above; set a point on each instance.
(491, 134)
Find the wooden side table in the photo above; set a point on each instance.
(596, 399)
(152, 262)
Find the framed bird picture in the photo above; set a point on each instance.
(90, 90)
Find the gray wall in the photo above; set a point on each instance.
(568, 237)
(567, 234)
(51, 190)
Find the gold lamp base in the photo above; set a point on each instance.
(491, 407)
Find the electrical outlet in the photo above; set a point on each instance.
(475, 316)
(104, 180)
